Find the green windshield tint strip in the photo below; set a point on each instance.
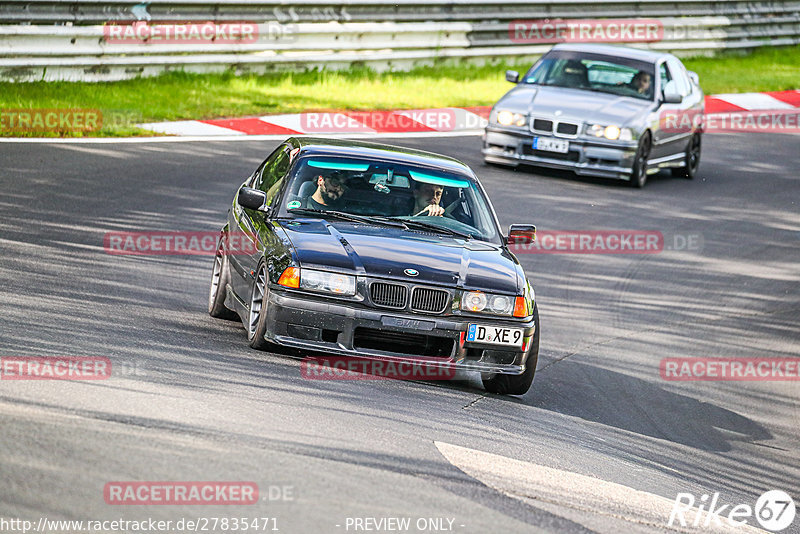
(340, 166)
(438, 180)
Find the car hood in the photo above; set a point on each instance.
(573, 104)
(383, 252)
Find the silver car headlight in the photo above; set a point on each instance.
(325, 282)
(480, 302)
(612, 132)
(509, 118)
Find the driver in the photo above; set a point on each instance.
(427, 198)
(641, 82)
(330, 189)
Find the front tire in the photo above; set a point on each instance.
(517, 384)
(639, 174)
(692, 159)
(257, 317)
(220, 278)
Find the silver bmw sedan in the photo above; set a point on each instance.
(600, 110)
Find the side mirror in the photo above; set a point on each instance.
(694, 77)
(521, 234)
(671, 95)
(253, 199)
(512, 76)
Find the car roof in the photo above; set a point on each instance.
(614, 50)
(362, 149)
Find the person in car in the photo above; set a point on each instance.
(641, 82)
(330, 188)
(427, 198)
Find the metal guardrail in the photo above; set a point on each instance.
(69, 39)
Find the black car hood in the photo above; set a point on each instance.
(384, 252)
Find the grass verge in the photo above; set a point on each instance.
(177, 95)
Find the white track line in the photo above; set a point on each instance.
(189, 128)
(228, 138)
(531, 482)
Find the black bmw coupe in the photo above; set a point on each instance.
(379, 252)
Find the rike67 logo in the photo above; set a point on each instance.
(774, 510)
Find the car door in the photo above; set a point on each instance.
(250, 228)
(667, 139)
(692, 105)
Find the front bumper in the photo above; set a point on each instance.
(330, 326)
(585, 157)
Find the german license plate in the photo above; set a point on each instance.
(495, 335)
(551, 145)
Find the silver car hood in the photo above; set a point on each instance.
(573, 104)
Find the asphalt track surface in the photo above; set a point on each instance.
(203, 406)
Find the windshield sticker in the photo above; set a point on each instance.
(293, 204)
(341, 166)
(437, 180)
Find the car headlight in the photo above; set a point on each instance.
(508, 118)
(611, 132)
(480, 302)
(319, 281)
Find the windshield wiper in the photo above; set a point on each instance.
(436, 228)
(349, 217)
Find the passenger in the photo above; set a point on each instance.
(427, 198)
(330, 189)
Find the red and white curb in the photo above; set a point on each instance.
(422, 121)
(336, 122)
(771, 101)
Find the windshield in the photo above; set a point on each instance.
(392, 194)
(594, 72)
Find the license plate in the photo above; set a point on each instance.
(551, 145)
(494, 335)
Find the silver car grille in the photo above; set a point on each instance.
(554, 127)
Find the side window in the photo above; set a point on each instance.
(680, 77)
(665, 76)
(275, 168)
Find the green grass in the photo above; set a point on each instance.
(178, 95)
(766, 69)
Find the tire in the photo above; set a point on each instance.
(220, 277)
(692, 159)
(639, 174)
(517, 384)
(257, 318)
